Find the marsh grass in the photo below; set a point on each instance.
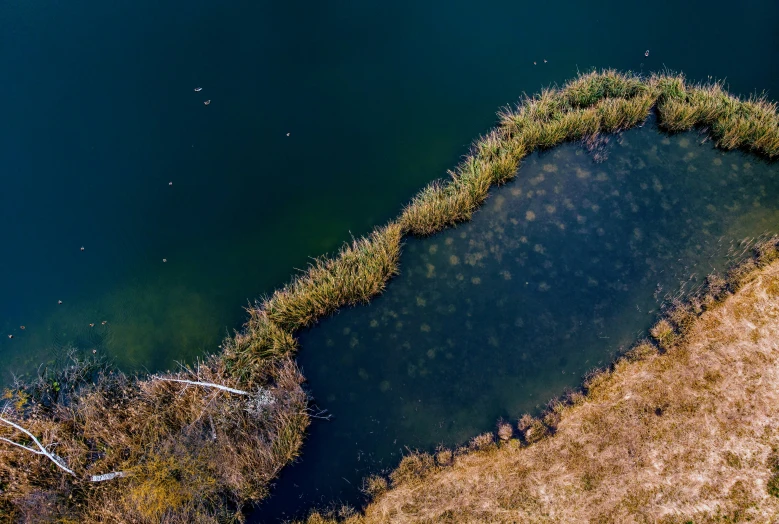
(681, 434)
(139, 423)
(591, 104)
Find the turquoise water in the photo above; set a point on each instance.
(100, 114)
(559, 272)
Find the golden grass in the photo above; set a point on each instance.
(137, 423)
(690, 434)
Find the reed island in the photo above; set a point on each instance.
(87, 443)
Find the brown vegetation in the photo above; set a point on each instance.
(186, 453)
(682, 433)
(159, 431)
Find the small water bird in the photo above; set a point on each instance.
(59, 302)
(103, 323)
(646, 53)
(287, 134)
(534, 63)
(22, 328)
(82, 248)
(164, 259)
(170, 183)
(198, 89)
(91, 324)
(10, 336)
(544, 60)
(207, 102)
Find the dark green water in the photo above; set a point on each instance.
(560, 271)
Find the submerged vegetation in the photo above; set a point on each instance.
(184, 449)
(682, 428)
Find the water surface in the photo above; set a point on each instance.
(561, 270)
(100, 114)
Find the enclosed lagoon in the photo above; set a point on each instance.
(560, 270)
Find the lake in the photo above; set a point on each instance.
(324, 119)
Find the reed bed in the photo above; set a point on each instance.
(159, 430)
(593, 103)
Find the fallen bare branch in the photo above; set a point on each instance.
(108, 476)
(40, 451)
(204, 384)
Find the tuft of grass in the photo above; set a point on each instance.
(359, 272)
(664, 334)
(412, 468)
(375, 485)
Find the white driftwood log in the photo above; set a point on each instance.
(205, 384)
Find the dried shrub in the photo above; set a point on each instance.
(375, 485)
(505, 431)
(412, 467)
(641, 351)
(664, 334)
(483, 442)
(531, 429)
(444, 457)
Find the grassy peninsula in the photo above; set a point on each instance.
(683, 428)
(86, 443)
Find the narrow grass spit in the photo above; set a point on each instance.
(173, 451)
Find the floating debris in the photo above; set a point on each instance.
(198, 89)
(207, 102)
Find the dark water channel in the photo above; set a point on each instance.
(558, 272)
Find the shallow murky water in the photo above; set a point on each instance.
(558, 272)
